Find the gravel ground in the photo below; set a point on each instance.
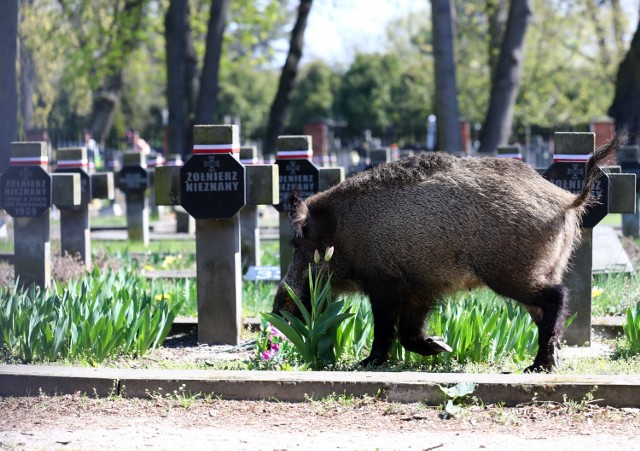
(175, 422)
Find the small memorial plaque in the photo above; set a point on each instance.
(570, 176)
(85, 183)
(133, 179)
(212, 186)
(296, 175)
(26, 191)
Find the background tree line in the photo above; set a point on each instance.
(109, 65)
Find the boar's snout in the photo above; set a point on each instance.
(284, 302)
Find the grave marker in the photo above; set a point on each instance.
(296, 173)
(629, 159)
(249, 219)
(217, 223)
(75, 234)
(133, 180)
(27, 193)
(612, 192)
(509, 152)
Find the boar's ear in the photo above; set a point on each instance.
(297, 213)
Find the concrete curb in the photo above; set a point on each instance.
(509, 389)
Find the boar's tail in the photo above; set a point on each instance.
(606, 152)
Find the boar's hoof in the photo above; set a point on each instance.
(437, 344)
(372, 361)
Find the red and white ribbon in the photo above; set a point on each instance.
(294, 154)
(73, 163)
(571, 158)
(29, 161)
(515, 156)
(200, 149)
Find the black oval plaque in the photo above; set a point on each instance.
(133, 179)
(26, 191)
(296, 175)
(570, 176)
(212, 186)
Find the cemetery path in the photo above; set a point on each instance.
(80, 422)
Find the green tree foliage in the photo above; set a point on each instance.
(314, 95)
(366, 94)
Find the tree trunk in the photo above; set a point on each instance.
(497, 13)
(107, 98)
(504, 88)
(8, 88)
(105, 103)
(449, 136)
(176, 30)
(282, 101)
(27, 80)
(625, 109)
(207, 98)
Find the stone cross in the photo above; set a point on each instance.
(133, 180)
(615, 194)
(249, 218)
(298, 173)
(75, 234)
(509, 152)
(213, 187)
(27, 193)
(629, 159)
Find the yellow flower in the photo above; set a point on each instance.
(149, 268)
(316, 257)
(160, 297)
(168, 261)
(596, 291)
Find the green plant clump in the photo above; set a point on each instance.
(632, 329)
(101, 315)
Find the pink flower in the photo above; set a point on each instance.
(274, 332)
(267, 355)
(274, 347)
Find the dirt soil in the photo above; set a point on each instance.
(80, 422)
(177, 421)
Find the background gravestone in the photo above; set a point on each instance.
(296, 173)
(75, 233)
(27, 193)
(249, 219)
(133, 180)
(629, 159)
(572, 150)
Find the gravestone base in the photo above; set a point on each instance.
(578, 281)
(219, 292)
(32, 261)
(75, 233)
(138, 217)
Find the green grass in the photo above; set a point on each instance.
(612, 219)
(613, 293)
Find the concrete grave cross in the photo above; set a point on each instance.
(75, 234)
(249, 218)
(27, 194)
(214, 186)
(629, 159)
(509, 152)
(297, 172)
(615, 194)
(133, 180)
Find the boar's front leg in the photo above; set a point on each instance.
(385, 300)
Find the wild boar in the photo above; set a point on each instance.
(408, 232)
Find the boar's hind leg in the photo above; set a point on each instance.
(384, 299)
(551, 302)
